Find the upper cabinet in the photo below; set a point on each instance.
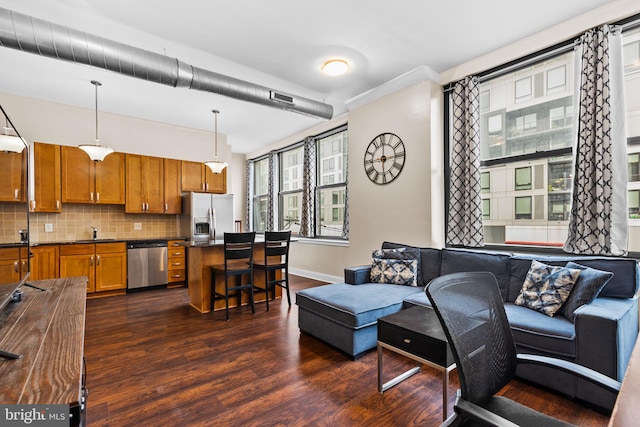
(172, 186)
(12, 178)
(199, 178)
(47, 178)
(87, 181)
(145, 184)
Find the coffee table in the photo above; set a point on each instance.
(416, 333)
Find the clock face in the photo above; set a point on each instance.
(384, 158)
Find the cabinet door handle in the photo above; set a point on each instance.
(91, 196)
(91, 261)
(57, 204)
(97, 197)
(33, 205)
(203, 187)
(166, 207)
(16, 194)
(175, 264)
(98, 262)
(176, 276)
(15, 267)
(142, 207)
(175, 244)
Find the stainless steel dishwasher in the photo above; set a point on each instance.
(147, 264)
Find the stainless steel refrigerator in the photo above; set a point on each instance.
(206, 217)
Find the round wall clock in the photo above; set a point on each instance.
(384, 158)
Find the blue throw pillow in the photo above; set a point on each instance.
(547, 287)
(396, 266)
(587, 287)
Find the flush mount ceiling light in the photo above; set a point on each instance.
(215, 165)
(11, 143)
(96, 151)
(335, 67)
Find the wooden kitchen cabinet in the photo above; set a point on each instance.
(172, 186)
(47, 195)
(12, 176)
(104, 264)
(144, 184)
(88, 181)
(44, 262)
(199, 178)
(11, 266)
(177, 259)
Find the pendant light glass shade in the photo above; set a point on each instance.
(11, 143)
(215, 165)
(96, 151)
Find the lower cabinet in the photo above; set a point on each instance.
(44, 262)
(13, 263)
(177, 267)
(104, 264)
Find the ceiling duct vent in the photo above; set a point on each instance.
(33, 35)
(275, 96)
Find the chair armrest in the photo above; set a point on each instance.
(357, 275)
(478, 413)
(587, 374)
(606, 331)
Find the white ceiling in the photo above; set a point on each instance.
(279, 44)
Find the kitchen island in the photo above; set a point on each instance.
(202, 255)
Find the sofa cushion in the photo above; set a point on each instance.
(541, 333)
(354, 306)
(546, 287)
(397, 266)
(587, 287)
(462, 260)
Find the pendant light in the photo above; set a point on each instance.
(11, 143)
(215, 165)
(96, 151)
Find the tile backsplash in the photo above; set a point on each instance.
(75, 222)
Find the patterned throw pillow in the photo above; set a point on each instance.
(546, 287)
(395, 266)
(587, 287)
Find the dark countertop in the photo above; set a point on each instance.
(73, 242)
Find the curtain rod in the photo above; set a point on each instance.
(546, 53)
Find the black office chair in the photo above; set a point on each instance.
(238, 261)
(276, 257)
(471, 311)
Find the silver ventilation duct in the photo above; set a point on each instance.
(33, 35)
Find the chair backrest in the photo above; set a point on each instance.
(239, 246)
(471, 311)
(276, 243)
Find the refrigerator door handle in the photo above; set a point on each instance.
(212, 231)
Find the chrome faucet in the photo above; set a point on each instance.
(95, 232)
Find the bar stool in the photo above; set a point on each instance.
(238, 260)
(276, 244)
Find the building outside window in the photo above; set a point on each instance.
(536, 104)
(291, 164)
(260, 194)
(331, 185)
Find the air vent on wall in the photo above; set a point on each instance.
(275, 96)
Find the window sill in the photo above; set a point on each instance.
(325, 242)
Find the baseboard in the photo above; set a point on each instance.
(316, 276)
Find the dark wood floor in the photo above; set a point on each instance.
(152, 360)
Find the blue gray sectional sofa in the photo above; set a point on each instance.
(601, 335)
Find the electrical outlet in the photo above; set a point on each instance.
(48, 228)
(137, 226)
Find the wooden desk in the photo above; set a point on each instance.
(626, 412)
(47, 329)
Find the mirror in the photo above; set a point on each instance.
(14, 210)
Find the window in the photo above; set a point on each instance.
(634, 204)
(494, 125)
(559, 207)
(560, 176)
(331, 183)
(260, 194)
(486, 208)
(291, 164)
(485, 182)
(523, 178)
(485, 101)
(556, 79)
(523, 207)
(523, 89)
(634, 167)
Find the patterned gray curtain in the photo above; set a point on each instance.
(345, 219)
(308, 187)
(270, 202)
(599, 215)
(247, 220)
(464, 226)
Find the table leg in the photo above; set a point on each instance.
(445, 394)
